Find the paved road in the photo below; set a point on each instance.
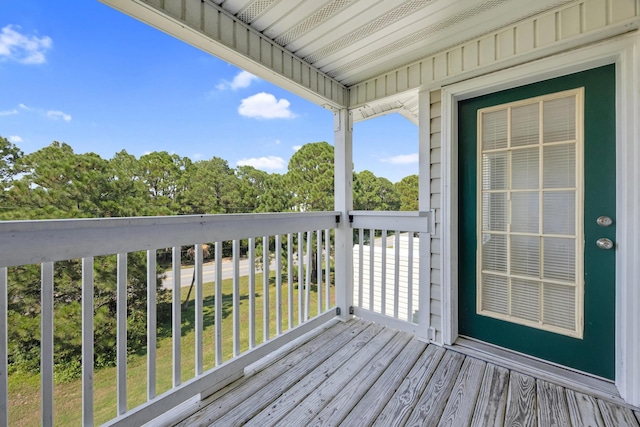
(208, 273)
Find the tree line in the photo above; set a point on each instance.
(56, 182)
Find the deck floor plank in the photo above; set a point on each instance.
(344, 363)
(370, 387)
(358, 373)
(617, 416)
(552, 405)
(431, 404)
(462, 401)
(492, 398)
(521, 403)
(402, 401)
(288, 369)
(583, 410)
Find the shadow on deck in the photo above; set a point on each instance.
(359, 373)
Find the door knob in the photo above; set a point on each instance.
(604, 243)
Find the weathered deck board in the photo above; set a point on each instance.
(462, 400)
(402, 402)
(583, 410)
(492, 399)
(432, 402)
(298, 362)
(362, 374)
(617, 416)
(344, 362)
(521, 403)
(343, 377)
(552, 405)
(363, 387)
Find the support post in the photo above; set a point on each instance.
(424, 205)
(343, 171)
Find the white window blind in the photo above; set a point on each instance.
(530, 192)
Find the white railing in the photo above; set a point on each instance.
(48, 242)
(391, 268)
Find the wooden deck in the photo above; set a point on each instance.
(360, 374)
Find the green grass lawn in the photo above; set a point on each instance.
(24, 390)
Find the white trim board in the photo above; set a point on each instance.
(624, 51)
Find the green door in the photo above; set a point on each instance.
(536, 190)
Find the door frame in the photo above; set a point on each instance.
(624, 51)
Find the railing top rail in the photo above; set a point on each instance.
(411, 214)
(33, 242)
(416, 221)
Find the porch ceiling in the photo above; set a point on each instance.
(354, 40)
(318, 49)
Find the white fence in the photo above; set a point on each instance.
(300, 240)
(391, 268)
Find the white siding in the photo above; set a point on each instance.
(557, 30)
(436, 189)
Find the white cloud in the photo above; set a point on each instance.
(296, 147)
(56, 115)
(269, 163)
(23, 48)
(402, 159)
(8, 112)
(265, 106)
(24, 107)
(15, 139)
(242, 80)
(277, 141)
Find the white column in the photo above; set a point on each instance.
(628, 227)
(343, 170)
(424, 205)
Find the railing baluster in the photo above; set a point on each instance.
(327, 266)
(218, 303)
(396, 281)
(300, 279)
(252, 292)
(307, 293)
(152, 283)
(278, 252)
(383, 274)
(87, 341)
(361, 266)
(290, 278)
(46, 343)
(236, 296)
(121, 335)
(199, 317)
(4, 359)
(410, 278)
(265, 289)
(319, 268)
(372, 244)
(177, 319)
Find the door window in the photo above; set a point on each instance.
(530, 237)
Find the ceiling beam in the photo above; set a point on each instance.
(210, 28)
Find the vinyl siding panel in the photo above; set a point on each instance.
(565, 27)
(436, 189)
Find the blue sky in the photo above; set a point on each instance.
(80, 72)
